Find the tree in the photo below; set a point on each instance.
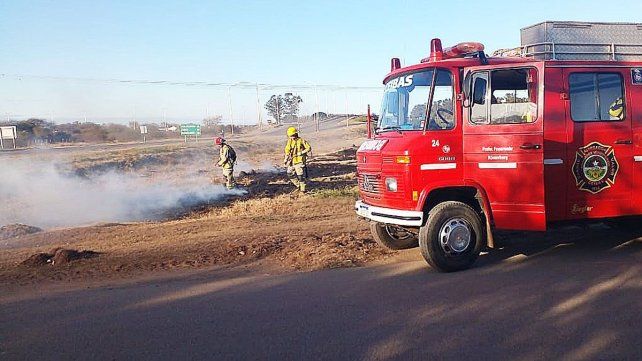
(274, 107)
(212, 121)
(283, 106)
(33, 125)
(418, 112)
(92, 133)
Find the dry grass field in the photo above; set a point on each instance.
(261, 223)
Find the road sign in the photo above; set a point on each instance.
(8, 132)
(143, 131)
(191, 129)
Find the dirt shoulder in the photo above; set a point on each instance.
(305, 233)
(266, 224)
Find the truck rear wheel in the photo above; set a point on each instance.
(392, 237)
(452, 237)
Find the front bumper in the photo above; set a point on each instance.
(389, 215)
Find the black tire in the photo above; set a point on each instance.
(390, 236)
(446, 214)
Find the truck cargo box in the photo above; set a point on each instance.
(570, 40)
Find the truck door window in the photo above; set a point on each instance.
(596, 97)
(479, 106)
(441, 111)
(513, 96)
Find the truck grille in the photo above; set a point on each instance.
(370, 183)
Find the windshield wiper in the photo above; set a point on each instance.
(392, 127)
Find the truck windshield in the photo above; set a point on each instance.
(406, 97)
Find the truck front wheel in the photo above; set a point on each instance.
(452, 237)
(392, 237)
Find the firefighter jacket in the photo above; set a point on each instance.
(297, 149)
(225, 159)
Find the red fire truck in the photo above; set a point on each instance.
(466, 144)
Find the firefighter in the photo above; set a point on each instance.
(296, 153)
(226, 160)
(616, 110)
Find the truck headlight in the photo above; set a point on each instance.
(391, 184)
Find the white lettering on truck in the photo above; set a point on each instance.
(497, 157)
(399, 82)
(497, 149)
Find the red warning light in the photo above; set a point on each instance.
(436, 52)
(458, 51)
(462, 49)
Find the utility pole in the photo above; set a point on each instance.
(347, 124)
(327, 101)
(258, 107)
(229, 101)
(316, 95)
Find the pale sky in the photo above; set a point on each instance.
(345, 44)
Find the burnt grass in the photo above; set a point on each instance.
(57, 257)
(127, 162)
(17, 230)
(335, 171)
(331, 171)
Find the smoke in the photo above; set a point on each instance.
(263, 167)
(43, 196)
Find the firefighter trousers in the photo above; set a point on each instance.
(297, 175)
(228, 174)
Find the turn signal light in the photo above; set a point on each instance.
(402, 159)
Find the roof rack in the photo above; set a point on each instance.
(576, 51)
(574, 40)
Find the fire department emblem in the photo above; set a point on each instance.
(595, 167)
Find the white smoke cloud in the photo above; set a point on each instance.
(41, 195)
(263, 167)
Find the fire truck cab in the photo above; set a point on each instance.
(466, 144)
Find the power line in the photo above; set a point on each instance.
(223, 85)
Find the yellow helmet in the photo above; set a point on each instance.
(291, 131)
(616, 110)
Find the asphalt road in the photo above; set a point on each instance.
(81, 148)
(570, 301)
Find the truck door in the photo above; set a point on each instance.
(600, 142)
(503, 142)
